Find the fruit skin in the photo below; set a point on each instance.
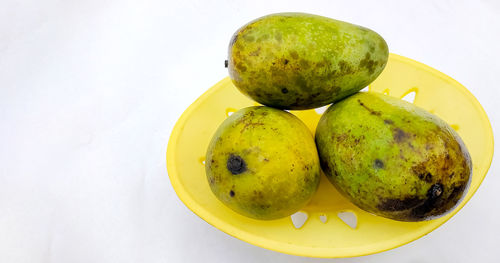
(391, 158)
(263, 163)
(303, 61)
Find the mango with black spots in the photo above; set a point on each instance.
(263, 163)
(303, 61)
(392, 158)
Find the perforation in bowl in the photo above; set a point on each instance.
(410, 95)
(321, 110)
(349, 218)
(230, 111)
(299, 219)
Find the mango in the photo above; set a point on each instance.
(263, 163)
(392, 158)
(303, 61)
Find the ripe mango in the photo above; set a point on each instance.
(303, 61)
(392, 158)
(263, 163)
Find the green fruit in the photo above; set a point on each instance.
(391, 158)
(303, 61)
(262, 163)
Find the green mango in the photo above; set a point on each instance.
(302, 61)
(263, 163)
(392, 158)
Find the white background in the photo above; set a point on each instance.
(90, 91)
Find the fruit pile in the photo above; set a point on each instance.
(387, 156)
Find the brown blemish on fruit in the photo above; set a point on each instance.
(425, 177)
(321, 64)
(387, 121)
(368, 63)
(304, 64)
(258, 195)
(447, 162)
(334, 73)
(302, 83)
(392, 204)
(255, 52)
(241, 67)
(251, 124)
(294, 54)
(400, 135)
(345, 68)
(373, 112)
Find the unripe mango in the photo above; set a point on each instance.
(303, 61)
(392, 158)
(263, 163)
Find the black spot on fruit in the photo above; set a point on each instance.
(315, 95)
(285, 62)
(432, 201)
(378, 164)
(236, 164)
(425, 177)
(284, 90)
(231, 193)
(325, 166)
(226, 63)
(435, 191)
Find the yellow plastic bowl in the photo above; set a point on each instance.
(434, 91)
